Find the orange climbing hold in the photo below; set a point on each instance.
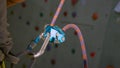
(36, 28)
(74, 2)
(95, 16)
(109, 66)
(92, 54)
(11, 3)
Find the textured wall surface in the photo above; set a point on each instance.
(110, 54)
(28, 19)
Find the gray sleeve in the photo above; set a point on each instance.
(5, 40)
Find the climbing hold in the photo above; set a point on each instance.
(23, 4)
(36, 28)
(109, 66)
(41, 14)
(92, 54)
(48, 47)
(74, 2)
(74, 14)
(75, 33)
(56, 45)
(53, 61)
(95, 16)
(28, 23)
(46, 1)
(65, 13)
(73, 51)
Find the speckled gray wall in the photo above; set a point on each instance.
(28, 19)
(111, 46)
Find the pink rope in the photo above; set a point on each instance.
(57, 12)
(84, 54)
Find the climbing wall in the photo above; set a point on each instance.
(27, 20)
(110, 57)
